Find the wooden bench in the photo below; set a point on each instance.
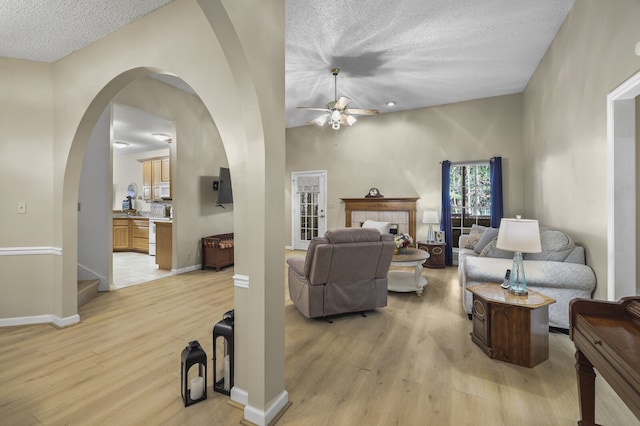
(217, 251)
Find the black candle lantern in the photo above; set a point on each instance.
(194, 390)
(223, 329)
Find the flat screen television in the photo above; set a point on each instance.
(225, 193)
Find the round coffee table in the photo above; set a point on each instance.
(403, 281)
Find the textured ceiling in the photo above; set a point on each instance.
(47, 30)
(417, 53)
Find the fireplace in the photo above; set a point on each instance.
(399, 211)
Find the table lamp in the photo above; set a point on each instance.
(518, 235)
(430, 217)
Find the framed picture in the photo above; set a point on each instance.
(438, 236)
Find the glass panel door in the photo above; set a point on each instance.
(309, 207)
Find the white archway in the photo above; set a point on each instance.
(621, 189)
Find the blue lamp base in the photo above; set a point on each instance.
(517, 280)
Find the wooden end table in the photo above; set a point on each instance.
(436, 254)
(407, 281)
(510, 328)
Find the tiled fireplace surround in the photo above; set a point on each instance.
(400, 211)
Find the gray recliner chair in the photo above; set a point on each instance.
(344, 271)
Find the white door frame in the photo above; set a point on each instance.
(621, 189)
(322, 206)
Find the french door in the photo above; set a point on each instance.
(309, 206)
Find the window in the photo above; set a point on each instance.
(470, 197)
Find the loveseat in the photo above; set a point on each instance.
(559, 271)
(343, 271)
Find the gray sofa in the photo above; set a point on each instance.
(344, 271)
(559, 271)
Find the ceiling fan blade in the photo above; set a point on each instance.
(342, 103)
(314, 109)
(360, 111)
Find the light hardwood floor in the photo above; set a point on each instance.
(411, 363)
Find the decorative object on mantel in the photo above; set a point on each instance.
(402, 242)
(194, 390)
(430, 217)
(374, 193)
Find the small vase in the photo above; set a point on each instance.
(402, 250)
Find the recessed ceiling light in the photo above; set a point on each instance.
(120, 144)
(391, 103)
(162, 137)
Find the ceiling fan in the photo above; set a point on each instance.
(336, 112)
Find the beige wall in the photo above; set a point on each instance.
(400, 153)
(565, 121)
(26, 174)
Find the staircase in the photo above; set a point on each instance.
(87, 290)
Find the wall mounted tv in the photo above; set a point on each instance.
(225, 193)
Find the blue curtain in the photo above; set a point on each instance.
(495, 169)
(445, 221)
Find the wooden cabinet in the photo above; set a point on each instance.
(510, 328)
(436, 254)
(131, 234)
(139, 230)
(164, 245)
(146, 180)
(165, 170)
(156, 178)
(120, 234)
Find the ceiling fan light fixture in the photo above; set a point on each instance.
(391, 103)
(322, 120)
(350, 120)
(335, 125)
(163, 137)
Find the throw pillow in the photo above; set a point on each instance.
(490, 250)
(474, 236)
(383, 227)
(556, 246)
(487, 236)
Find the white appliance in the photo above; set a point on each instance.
(152, 232)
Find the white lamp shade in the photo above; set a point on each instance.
(430, 216)
(521, 235)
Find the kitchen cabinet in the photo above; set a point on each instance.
(165, 171)
(156, 178)
(139, 230)
(146, 180)
(120, 234)
(164, 246)
(131, 234)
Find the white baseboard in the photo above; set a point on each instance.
(289, 248)
(263, 418)
(239, 395)
(40, 319)
(185, 270)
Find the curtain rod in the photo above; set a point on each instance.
(469, 163)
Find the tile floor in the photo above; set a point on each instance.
(130, 268)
